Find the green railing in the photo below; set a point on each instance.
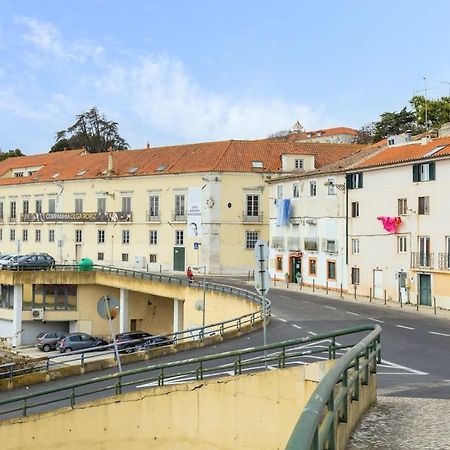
(277, 355)
(318, 424)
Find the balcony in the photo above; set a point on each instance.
(278, 242)
(444, 261)
(329, 245)
(421, 260)
(293, 243)
(252, 217)
(311, 244)
(12, 219)
(179, 216)
(153, 216)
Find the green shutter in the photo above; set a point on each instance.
(360, 184)
(415, 169)
(349, 181)
(432, 170)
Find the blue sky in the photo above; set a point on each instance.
(178, 71)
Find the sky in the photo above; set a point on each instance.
(178, 71)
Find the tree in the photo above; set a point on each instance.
(91, 131)
(366, 134)
(437, 111)
(10, 154)
(282, 135)
(395, 123)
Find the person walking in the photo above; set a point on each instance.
(189, 274)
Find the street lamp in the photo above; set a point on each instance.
(204, 292)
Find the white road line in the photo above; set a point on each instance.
(283, 320)
(312, 332)
(297, 326)
(439, 334)
(400, 373)
(376, 320)
(331, 307)
(405, 327)
(352, 313)
(392, 365)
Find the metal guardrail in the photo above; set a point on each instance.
(10, 370)
(233, 362)
(316, 428)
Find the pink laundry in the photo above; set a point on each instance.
(390, 223)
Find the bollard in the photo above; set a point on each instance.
(341, 291)
(354, 289)
(417, 302)
(385, 296)
(314, 284)
(434, 305)
(326, 287)
(370, 295)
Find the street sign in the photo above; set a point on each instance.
(197, 245)
(262, 275)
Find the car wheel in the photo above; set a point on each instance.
(46, 348)
(67, 350)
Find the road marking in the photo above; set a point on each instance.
(297, 326)
(439, 334)
(312, 332)
(405, 327)
(331, 307)
(352, 313)
(376, 320)
(283, 320)
(392, 365)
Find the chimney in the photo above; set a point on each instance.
(148, 145)
(110, 169)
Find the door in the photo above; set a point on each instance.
(425, 289)
(178, 258)
(378, 283)
(77, 252)
(296, 268)
(133, 325)
(402, 291)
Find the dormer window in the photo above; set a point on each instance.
(161, 167)
(132, 169)
(257, 165)
(18, 174)
(55, 175)
(299, 164)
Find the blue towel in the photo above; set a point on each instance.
(284, 212)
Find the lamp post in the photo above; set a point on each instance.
(204, 293)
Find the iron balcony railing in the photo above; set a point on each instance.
(422, 260)
(293, 243)
(359, 360)
(311, 244)
(444, 261)
(179, 216)
(252, 217)
(12, 219)
(153, 216)
(278, 242)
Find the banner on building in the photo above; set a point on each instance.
(194, 216)
(118, 216)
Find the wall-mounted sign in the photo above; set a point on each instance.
(117, 216)
(194, 215)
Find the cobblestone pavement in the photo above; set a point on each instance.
(400, 423)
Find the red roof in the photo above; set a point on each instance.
(327, 132)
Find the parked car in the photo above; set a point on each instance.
(79, 341)
(47, 340)
(5, 259)
(35, 261)
(128, 342)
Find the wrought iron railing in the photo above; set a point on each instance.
(444, 261)
(311, 244)
(422, 260)
(252, 217)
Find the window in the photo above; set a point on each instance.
(295, 190)
(1, 210)
(18, 174)
(253, 205)
(126, 204)
(125, 236)
(299, 164)
(78, 205)
(331, 270)
(354, 180)
(78, 236)
(279, 191)
(39, 206)
(25, 206)
(257, 165)
(51, 205)
(37, 235)
(154, 206)
(279, 264)
(355, 246)
(355, 209)
(25, 235)
(12, 235)
(12, 210)
(124, 257)
(152, 258)
(101, 204)
(312, 266)
(180, 205)
(355, 275)
(100, 256)
(424, 247)
(424, 205)
(402, 206)
(51, 235)
(1, 234)
(250, 239)
(100, 236)
(153, 237)
(179, 237)
(401, 244)
(331, 186)
(424, 172)
(312, 188)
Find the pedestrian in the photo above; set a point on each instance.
(189, 274)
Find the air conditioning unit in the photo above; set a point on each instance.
(139, 262)
(37, 313)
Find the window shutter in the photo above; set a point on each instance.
(415, 169)
(432, 170)
(360, 179)
(349, 180)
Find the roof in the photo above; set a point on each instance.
(326, 132)
(408, 152)
(222, 156)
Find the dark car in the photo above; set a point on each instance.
(130, 340)
(47, 340)
(79, 341)
(35, 261)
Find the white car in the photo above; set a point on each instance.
(5, 260)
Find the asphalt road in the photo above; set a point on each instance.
(415, 347)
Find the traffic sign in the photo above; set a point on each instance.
(262, 275)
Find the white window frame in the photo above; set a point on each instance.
(355, 246)
(401, 244)
(125, 237)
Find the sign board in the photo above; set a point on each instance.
(262, 275)
(107, 307)
(194, 212)
(196, 245)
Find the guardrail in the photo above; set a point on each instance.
(10, 370)
(234, 362)
(317, 426)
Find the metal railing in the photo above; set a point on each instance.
(268, 357)
(422, 260)
(444, 261)
(252, 217)
(153, 216)
(329, 405)
(311, 243)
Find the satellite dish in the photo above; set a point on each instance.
(107, 307)
(199, 305)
